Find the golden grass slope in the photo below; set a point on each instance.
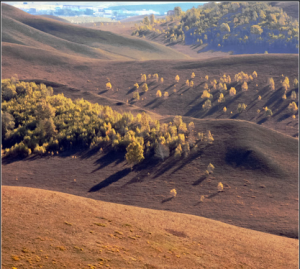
(22, 28)
(56, 230)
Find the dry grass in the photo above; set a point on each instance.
(161, 239)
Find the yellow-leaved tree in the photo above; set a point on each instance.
(177, 78)
(135, 152)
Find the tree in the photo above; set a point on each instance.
(162, 80)
(162, 151)
(205, 94)
(8, 122)
(293, 107)
(136, 85)
(177, 78)
(220, 187)
(177, 11)
(178, 151)
(146, 21)
(269, 112)
(155, 76)
(293, 95)
(143, 77)
(206, 77)
(254, 74)
(295, 83)
(256, 29)
(224, 109)
(225, 27)
(152, 19)
(166, 94)
(136, 96)
(44, 110)
(108, 86)
(271, 84)
(210, 168)
(187, 83)
(207, 104)
(192, 84)
(158, 93)
(232, 91)
(193, 75)
(173, 192)
(135, 152)
(221, 98)
(245, 86)
(259, 98)
(241, 107)
(145, 87)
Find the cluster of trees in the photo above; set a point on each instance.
(36, 121)
(228, 23)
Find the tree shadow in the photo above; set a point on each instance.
(157, 104)
(169, 87)
(151, 102)
(262, 120)
(103, 92)
(283, 117)
(274, 96)
(213, 195)
(235, 115)
(110, 157)
(167, 200)
(111, 179)
(198, 181)
(90, 153)
(131, 90)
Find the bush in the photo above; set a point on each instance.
(158, 93)
(269, 112)
(192, 84)
(136, 85)
(210, 168)
(173, 192)
(177, 78)
(221, 98)
(207, 105)
(293, 95)
(220, 186)
(193, 75)
(166, 94)
(245, 86)
(224, 109)
(293, 108)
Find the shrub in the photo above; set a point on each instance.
(143, 78)
(158, 93)
(206, 77)
(205, 86)
(224, 87)
(187, 83)
(177, 78)
(149, 76)
(155, 76)
(259, 98)
(284, 97)
(193, 75)
(166, 94)
(136, 85)
(220, 186)
(224, 109)
(254, 74)
(192, 84)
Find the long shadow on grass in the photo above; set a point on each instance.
(103, 92)
(167, 200)
(213, 195)
(111, 179)
(274, 96)
(198, 181)
(110, 157)
(131, 90)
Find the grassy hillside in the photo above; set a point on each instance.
(93, 234)
(40, 32)
(240, 28)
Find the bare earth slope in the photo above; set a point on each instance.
(86, 233)
(22, 28)
(257, 166)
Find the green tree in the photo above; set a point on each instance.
(177, 11)
(146, 21)
(152, 19)
(225, 27)
(135, 152)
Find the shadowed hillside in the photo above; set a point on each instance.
(40, 32)
(92, 234)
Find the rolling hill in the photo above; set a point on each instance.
(93, 234)
(43, 33)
